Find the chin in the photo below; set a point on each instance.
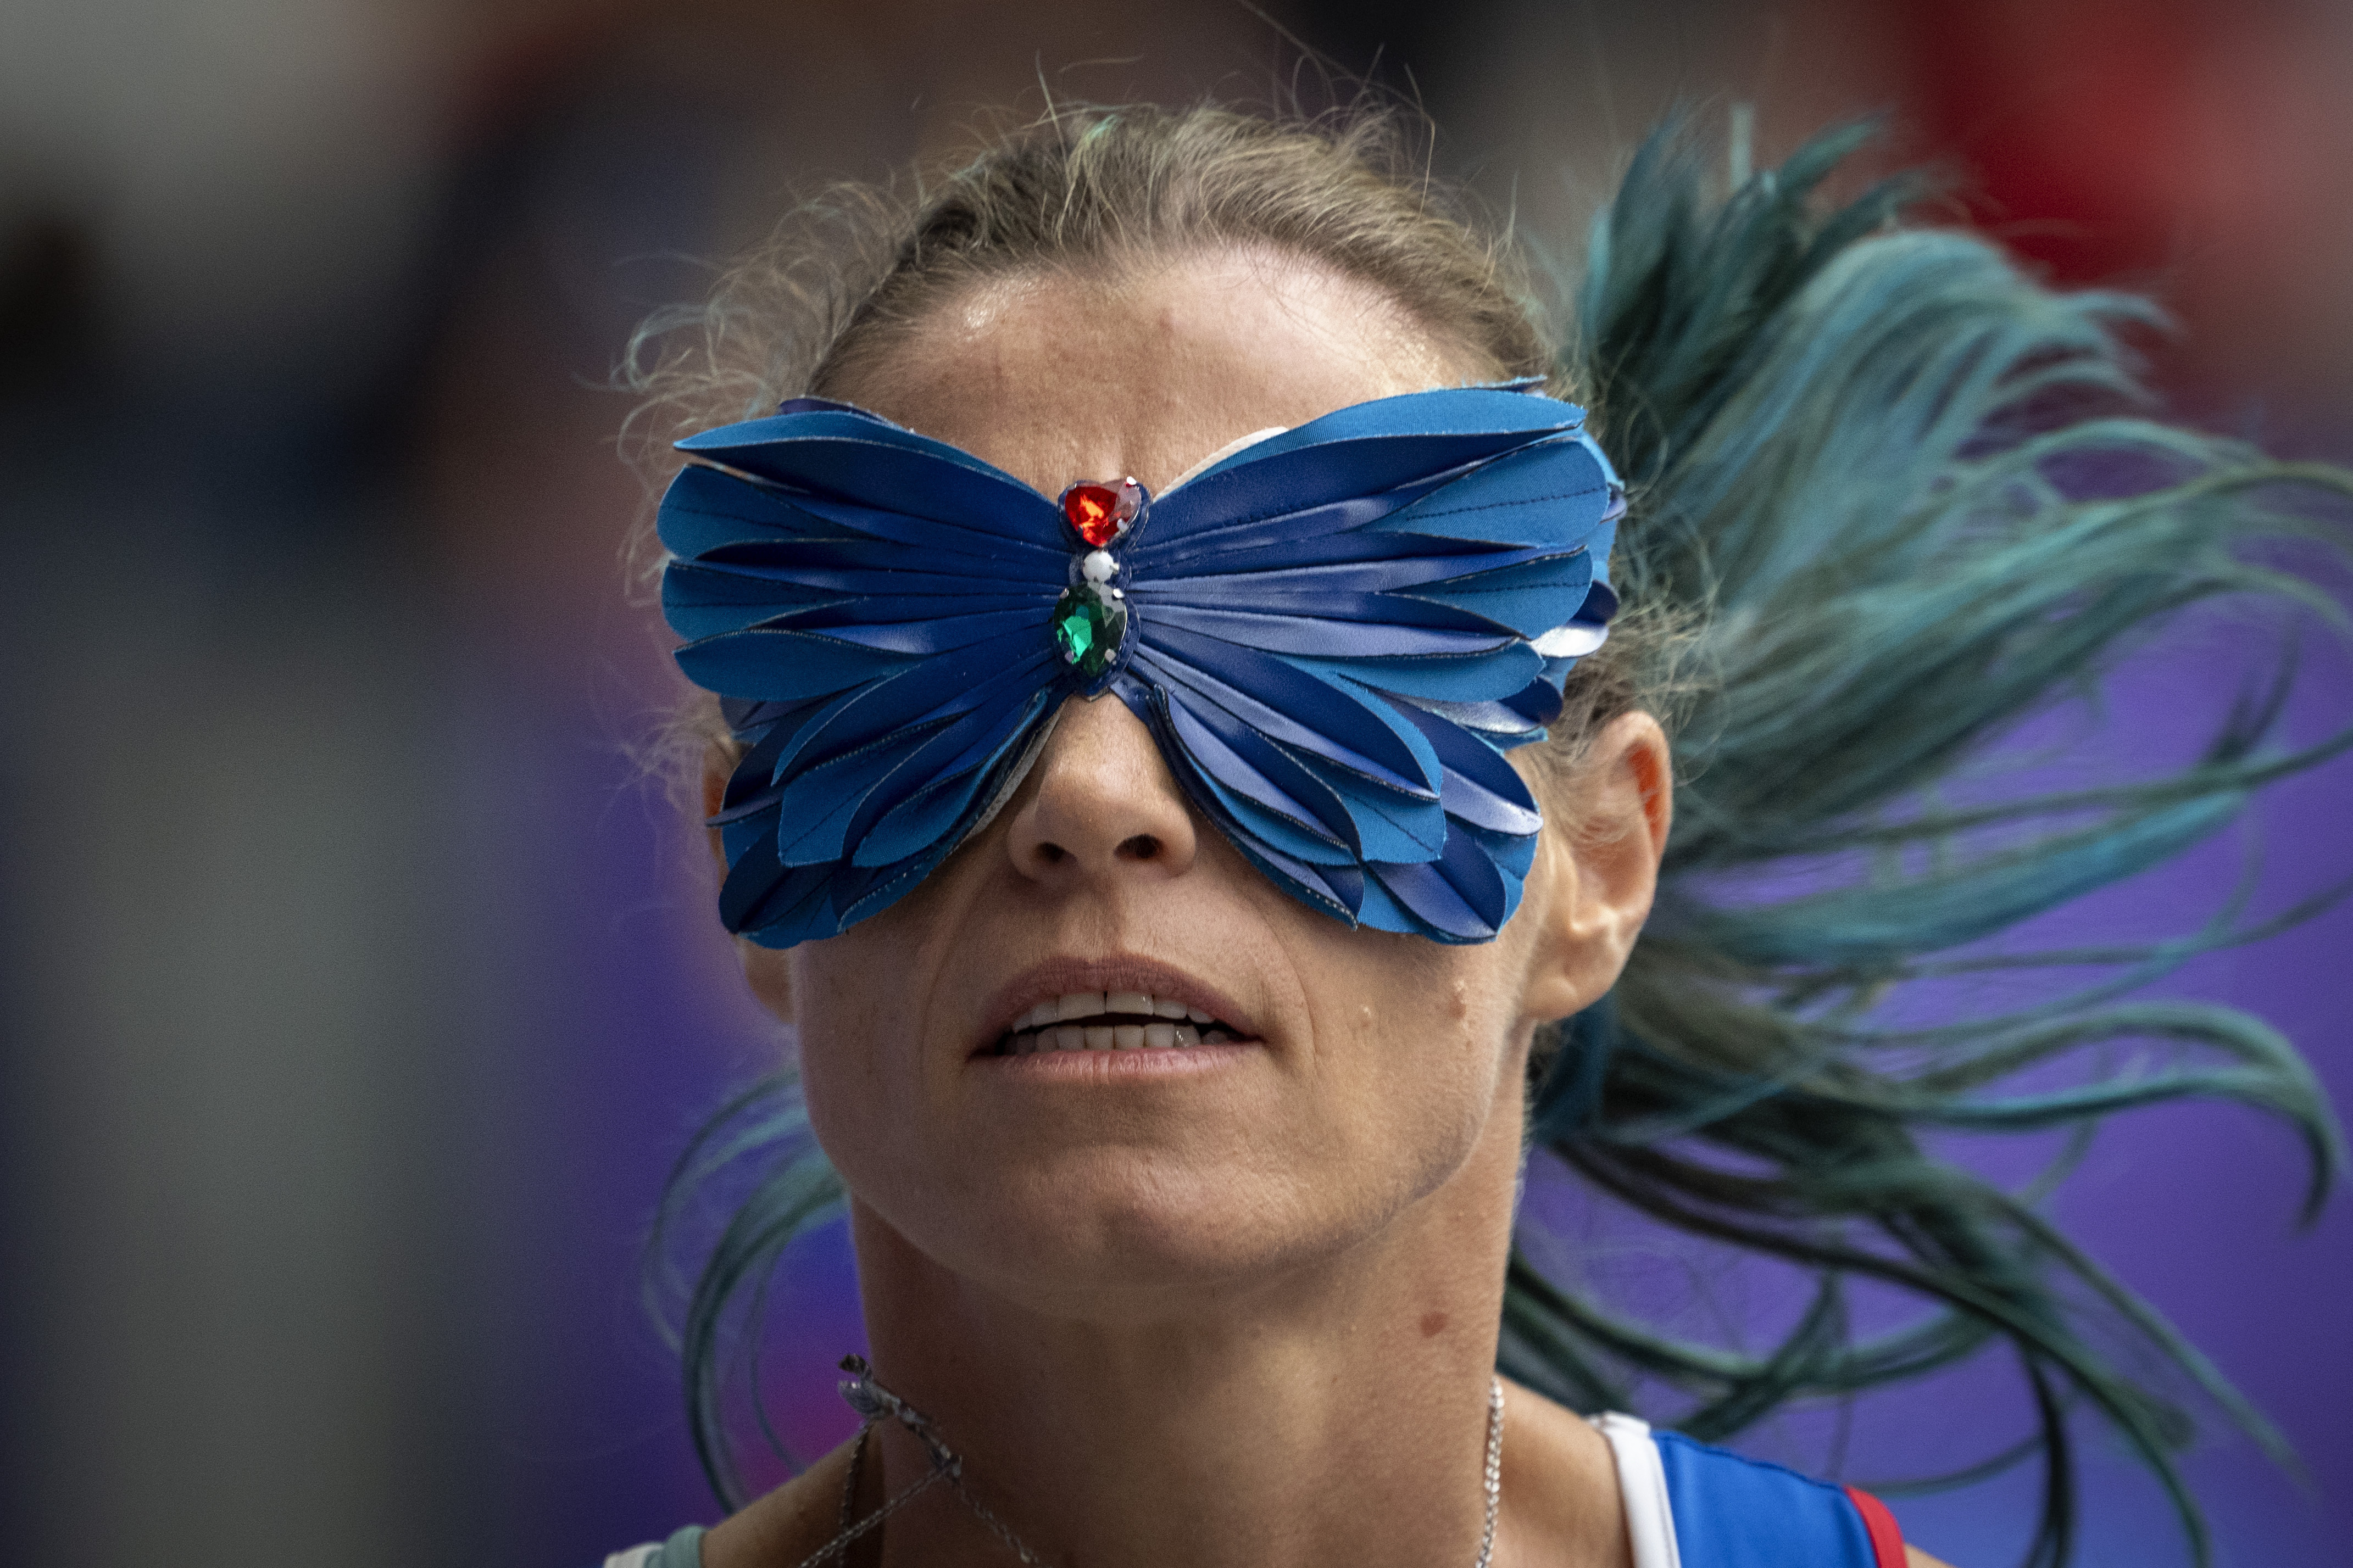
(1110, 1235)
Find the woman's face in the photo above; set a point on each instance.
(1366, 1066)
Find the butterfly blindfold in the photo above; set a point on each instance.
(1334, 635)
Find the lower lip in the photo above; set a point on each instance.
(1121, 1066)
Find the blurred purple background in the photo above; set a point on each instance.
(359, 984)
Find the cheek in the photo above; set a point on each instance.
(860, 1054)
(1410, 1042)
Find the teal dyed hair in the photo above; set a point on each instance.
(1892, 499)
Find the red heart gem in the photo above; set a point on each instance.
(1101, 513)
(1094, 511)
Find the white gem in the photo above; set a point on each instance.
(1099, 566)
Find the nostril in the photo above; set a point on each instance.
(1053, 854)
(1143, 847)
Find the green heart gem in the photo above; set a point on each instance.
(1088, 626)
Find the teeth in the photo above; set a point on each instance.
(1048, 1025)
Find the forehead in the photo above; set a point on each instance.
(1146, 368)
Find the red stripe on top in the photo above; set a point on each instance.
(1887, 1540)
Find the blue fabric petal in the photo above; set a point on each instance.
(1294, 705)
(779, 665)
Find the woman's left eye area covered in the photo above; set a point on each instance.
(1333, 635)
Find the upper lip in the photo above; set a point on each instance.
(1118, 971)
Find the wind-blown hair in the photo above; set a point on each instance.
(1890, 500)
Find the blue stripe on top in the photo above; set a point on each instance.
(1732, 1512)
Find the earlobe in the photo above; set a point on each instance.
(1598, 870)
(769, 973)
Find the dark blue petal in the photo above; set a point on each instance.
(704, 510)
(1314, 637)
(1329, 889)
(944, 809)
(1296, 707)
(700, 603)
(1367, 448)
(1460, 898)
(1387, 827)
(1480, 787)
(763, 896)
(1335, 589)
(937, 689)
(1246, 795)
(1531, 598)
(818, 803)
(963, 750)
(782, 664)
(931, 541)
(1548, 495)
(945, 633)
(868, 463)
(1478, 678)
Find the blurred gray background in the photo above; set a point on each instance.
(358, 986)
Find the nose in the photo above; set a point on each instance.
(1101, 804)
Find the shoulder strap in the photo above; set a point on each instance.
(1642, 1483)
(1687, 1503)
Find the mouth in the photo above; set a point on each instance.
(1121, 1003)
(1113, 1021)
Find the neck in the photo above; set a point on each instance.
(1335, 1412)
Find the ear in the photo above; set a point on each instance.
(769, 972)
(1597, 871)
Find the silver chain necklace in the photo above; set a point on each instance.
(876, 1404)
